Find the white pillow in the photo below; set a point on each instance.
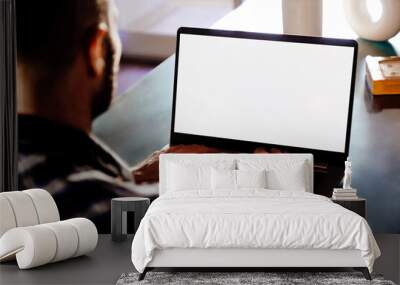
(237, 179)
(251, 178)
(181, 177)
(292, 179)
(223, 179)
(193, 175)
(282, 174)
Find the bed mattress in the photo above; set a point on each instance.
(250, 219)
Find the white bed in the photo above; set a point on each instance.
(193, 224)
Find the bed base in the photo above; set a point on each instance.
(242, 259)
(363, 270)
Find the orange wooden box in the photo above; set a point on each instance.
(383, 75)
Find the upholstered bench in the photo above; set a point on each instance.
(31, 230)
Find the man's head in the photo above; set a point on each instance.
(67, 45)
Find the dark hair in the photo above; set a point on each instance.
(50, 33)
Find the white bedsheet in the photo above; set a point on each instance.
(250, 219)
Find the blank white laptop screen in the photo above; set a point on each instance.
(274, 92)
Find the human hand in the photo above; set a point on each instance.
(147, 170)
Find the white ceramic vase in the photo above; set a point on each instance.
(362, 22)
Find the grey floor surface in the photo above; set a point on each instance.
(103, 266)
(106, 264)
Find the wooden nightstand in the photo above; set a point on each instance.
(358, 205)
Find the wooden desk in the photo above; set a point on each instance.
(139, 121)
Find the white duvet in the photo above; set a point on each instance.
(250, 219)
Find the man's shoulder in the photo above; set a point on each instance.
(65, 160)
(64, 176)
(54, 149)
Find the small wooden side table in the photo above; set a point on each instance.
(358, 205)
(119, 209)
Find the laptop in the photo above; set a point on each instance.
(240, 90)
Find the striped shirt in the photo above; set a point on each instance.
(80, 173)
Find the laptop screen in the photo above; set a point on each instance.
(277, 90)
